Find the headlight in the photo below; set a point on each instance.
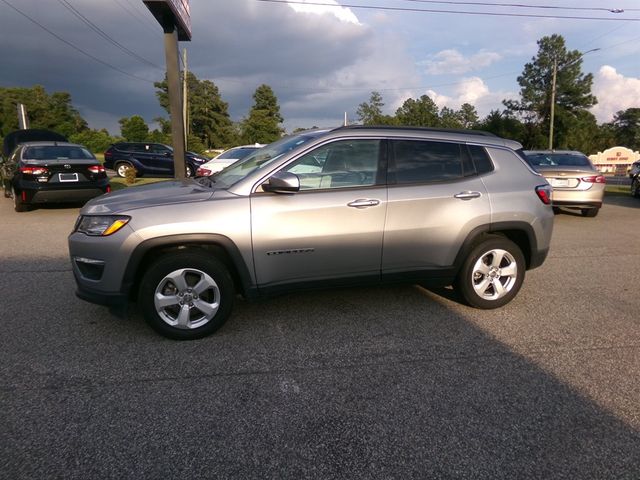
(101, 225)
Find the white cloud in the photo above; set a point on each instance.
(615, 92)
(341, 13)
(451, 61)
(472, 90)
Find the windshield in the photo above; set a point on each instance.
(236, 153)
(263, 157)
(557, 159)
(52, 152)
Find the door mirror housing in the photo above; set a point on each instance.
(282, 182)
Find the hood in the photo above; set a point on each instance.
(15, 138)
(155, 194)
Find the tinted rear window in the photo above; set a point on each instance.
(54, 152)
(424, 161)
(481, 159)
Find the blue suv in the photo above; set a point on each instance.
(154, 159)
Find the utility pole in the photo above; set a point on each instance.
(185, 96)
(553, 90)
(553, 101)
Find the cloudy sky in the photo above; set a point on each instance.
(321, 61)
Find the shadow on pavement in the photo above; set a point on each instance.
(353, 383)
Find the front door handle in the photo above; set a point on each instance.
(363, 203)
(467, 195)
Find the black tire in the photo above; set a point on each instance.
(186, 312)
(492, 273)
(120, 168)
(18, 204)
(589, 212)
(635, 187)
(188, 171)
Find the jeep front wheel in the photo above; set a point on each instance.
(186, 296)
(492, 274)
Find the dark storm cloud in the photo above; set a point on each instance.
(307, 59)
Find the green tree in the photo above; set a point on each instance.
(134, 129)
(262, 125)
(573, 90)
(52, 112)
(208, 119)
(422, 112)
(449, 118)
(370, 113)
(626, 124)
(95, 140)
(468, 116)
(503, 124)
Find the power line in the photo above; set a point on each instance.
(99, 31)
(459, 12)
(142, 19)
(522, 5)
(53, 34)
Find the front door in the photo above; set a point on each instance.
(333, 227)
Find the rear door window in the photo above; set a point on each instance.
(423, 161)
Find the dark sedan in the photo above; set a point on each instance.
(39, 172)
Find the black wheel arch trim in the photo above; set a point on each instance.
(533, 255)
(185, 240)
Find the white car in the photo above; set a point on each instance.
(226, 158)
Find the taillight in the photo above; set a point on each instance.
(34, 170)
(594, 179)
(203, 172)
(544, 193)
(96, 169)
(107, 154)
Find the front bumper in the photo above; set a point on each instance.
(110, 299)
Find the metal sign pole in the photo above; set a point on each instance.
(175, 18)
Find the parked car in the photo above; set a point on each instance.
(635, 182)
(154, 159)
(368, 205)
(40, 167)
(576, 183)
(226, 158)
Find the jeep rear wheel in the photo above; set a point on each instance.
(492, 274)
(186, 296)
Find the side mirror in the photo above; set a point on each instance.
(282, 182)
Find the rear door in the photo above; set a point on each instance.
(331, 228)
(435, 199)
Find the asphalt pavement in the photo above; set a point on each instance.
(372, 383)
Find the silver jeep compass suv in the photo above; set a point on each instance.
(347, 206)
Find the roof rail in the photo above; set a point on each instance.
(419, 129)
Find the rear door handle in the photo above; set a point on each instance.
(363, 203)
(467, 195)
